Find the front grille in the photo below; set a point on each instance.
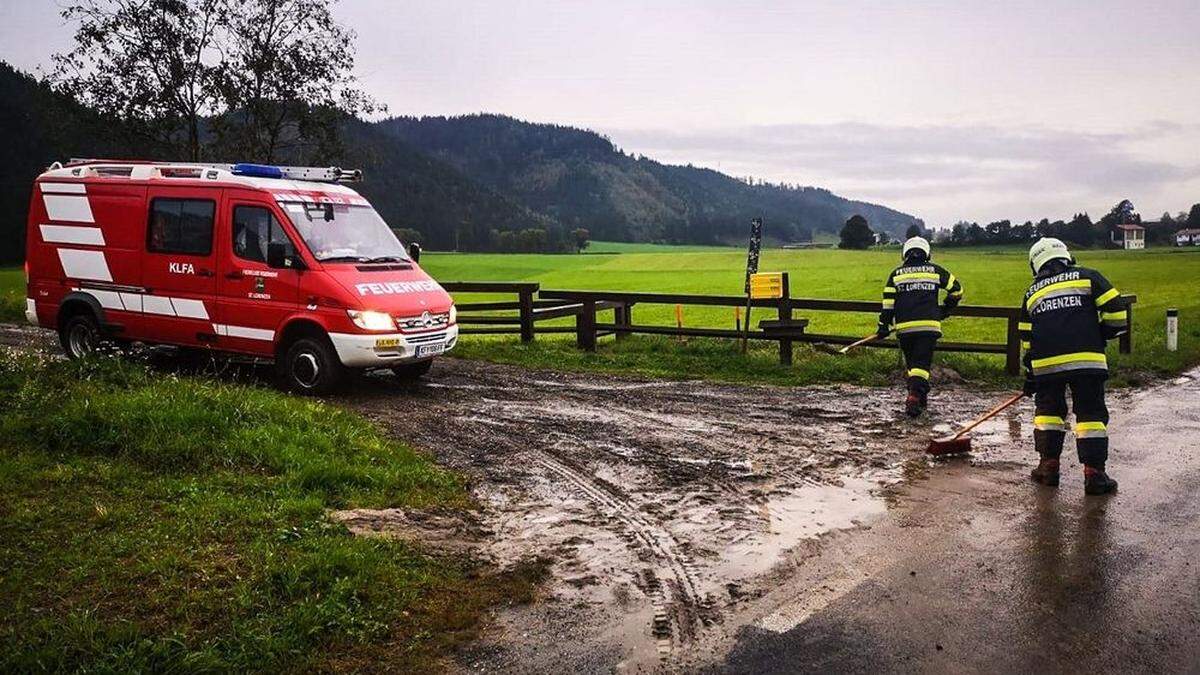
(427, 338)
(423, 322)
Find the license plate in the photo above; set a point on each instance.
(430, 350)
(387, 343)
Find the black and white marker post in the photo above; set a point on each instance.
(1172, 329)
(751, 268)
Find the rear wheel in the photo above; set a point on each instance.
(311, 366)
(80, 335)
(412, 371)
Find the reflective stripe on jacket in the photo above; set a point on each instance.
(910, 298)
(1066, 317)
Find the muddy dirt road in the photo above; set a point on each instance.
(670, 510)
(698, 526)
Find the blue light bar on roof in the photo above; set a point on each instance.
(257, 170)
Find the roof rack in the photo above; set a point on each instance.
(329, 174)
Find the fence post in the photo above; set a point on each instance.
(785, 318)
(623, 316)
(585, 326)
(1126, 340)
(525, 300)
(1012, 365)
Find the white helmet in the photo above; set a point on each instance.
(915, 244)
(1046, 249)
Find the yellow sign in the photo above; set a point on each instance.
(766, 285)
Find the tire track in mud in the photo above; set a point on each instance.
(678, 604)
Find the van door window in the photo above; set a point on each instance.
(254, 227)
(183, 226)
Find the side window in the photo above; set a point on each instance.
(181, 226)
(254, 227)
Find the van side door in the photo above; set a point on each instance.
(179, 273)
(254, 298)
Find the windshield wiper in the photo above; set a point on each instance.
(344, 258)
(386, 259)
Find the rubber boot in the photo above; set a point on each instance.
(914, 405)
(1096, 482)
(1046, 472)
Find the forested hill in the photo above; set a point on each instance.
(580, 179)
(409, 188)
(477, 183)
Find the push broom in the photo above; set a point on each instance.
(857, 343)
(961, 442)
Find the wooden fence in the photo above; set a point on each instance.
(787, 329)
(480, 318)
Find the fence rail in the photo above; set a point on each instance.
(585, 305)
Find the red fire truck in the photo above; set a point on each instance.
(286, 263)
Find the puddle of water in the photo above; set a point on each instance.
(802, 514)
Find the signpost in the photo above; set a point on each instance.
(751, 269)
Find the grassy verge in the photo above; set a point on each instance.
(12, 294)
(155, 523)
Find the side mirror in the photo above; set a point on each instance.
(278, 258)
(414, 252)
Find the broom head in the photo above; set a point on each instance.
(949, 445)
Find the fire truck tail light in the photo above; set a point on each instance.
(369, 320)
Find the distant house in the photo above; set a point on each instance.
(1187, 237)
(1128, 236)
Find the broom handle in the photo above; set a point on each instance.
(863, 341)
(990, 414)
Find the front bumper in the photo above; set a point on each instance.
(381, 350)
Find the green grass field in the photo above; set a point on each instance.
(1160, 278)
(12, 294)
(154, 523)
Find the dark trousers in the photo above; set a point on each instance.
(918, 357)
(1091, 418)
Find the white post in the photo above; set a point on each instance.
(1172, 330)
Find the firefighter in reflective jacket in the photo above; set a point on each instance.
(1066, 317)
(910, 307)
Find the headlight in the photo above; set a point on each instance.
(453, 314)
(369, 320)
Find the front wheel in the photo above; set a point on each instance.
(311, 366)
(80, 336)
(413, 371)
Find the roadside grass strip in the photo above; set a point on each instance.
(161, 523)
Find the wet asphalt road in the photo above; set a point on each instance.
(985, 572)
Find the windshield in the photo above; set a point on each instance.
(344, 233)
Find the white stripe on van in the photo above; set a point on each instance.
(72, 234)
(190, 309)
(244, 332)
(65, 188)
(70, 208)
(132, 302)
(81, 264)
(186, 308)
(157, 304)
(108, 299)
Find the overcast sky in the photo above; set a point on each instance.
(947, 110)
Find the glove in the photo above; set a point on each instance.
(1030, 387)
(881, 332)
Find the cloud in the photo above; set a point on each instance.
(944, 173)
